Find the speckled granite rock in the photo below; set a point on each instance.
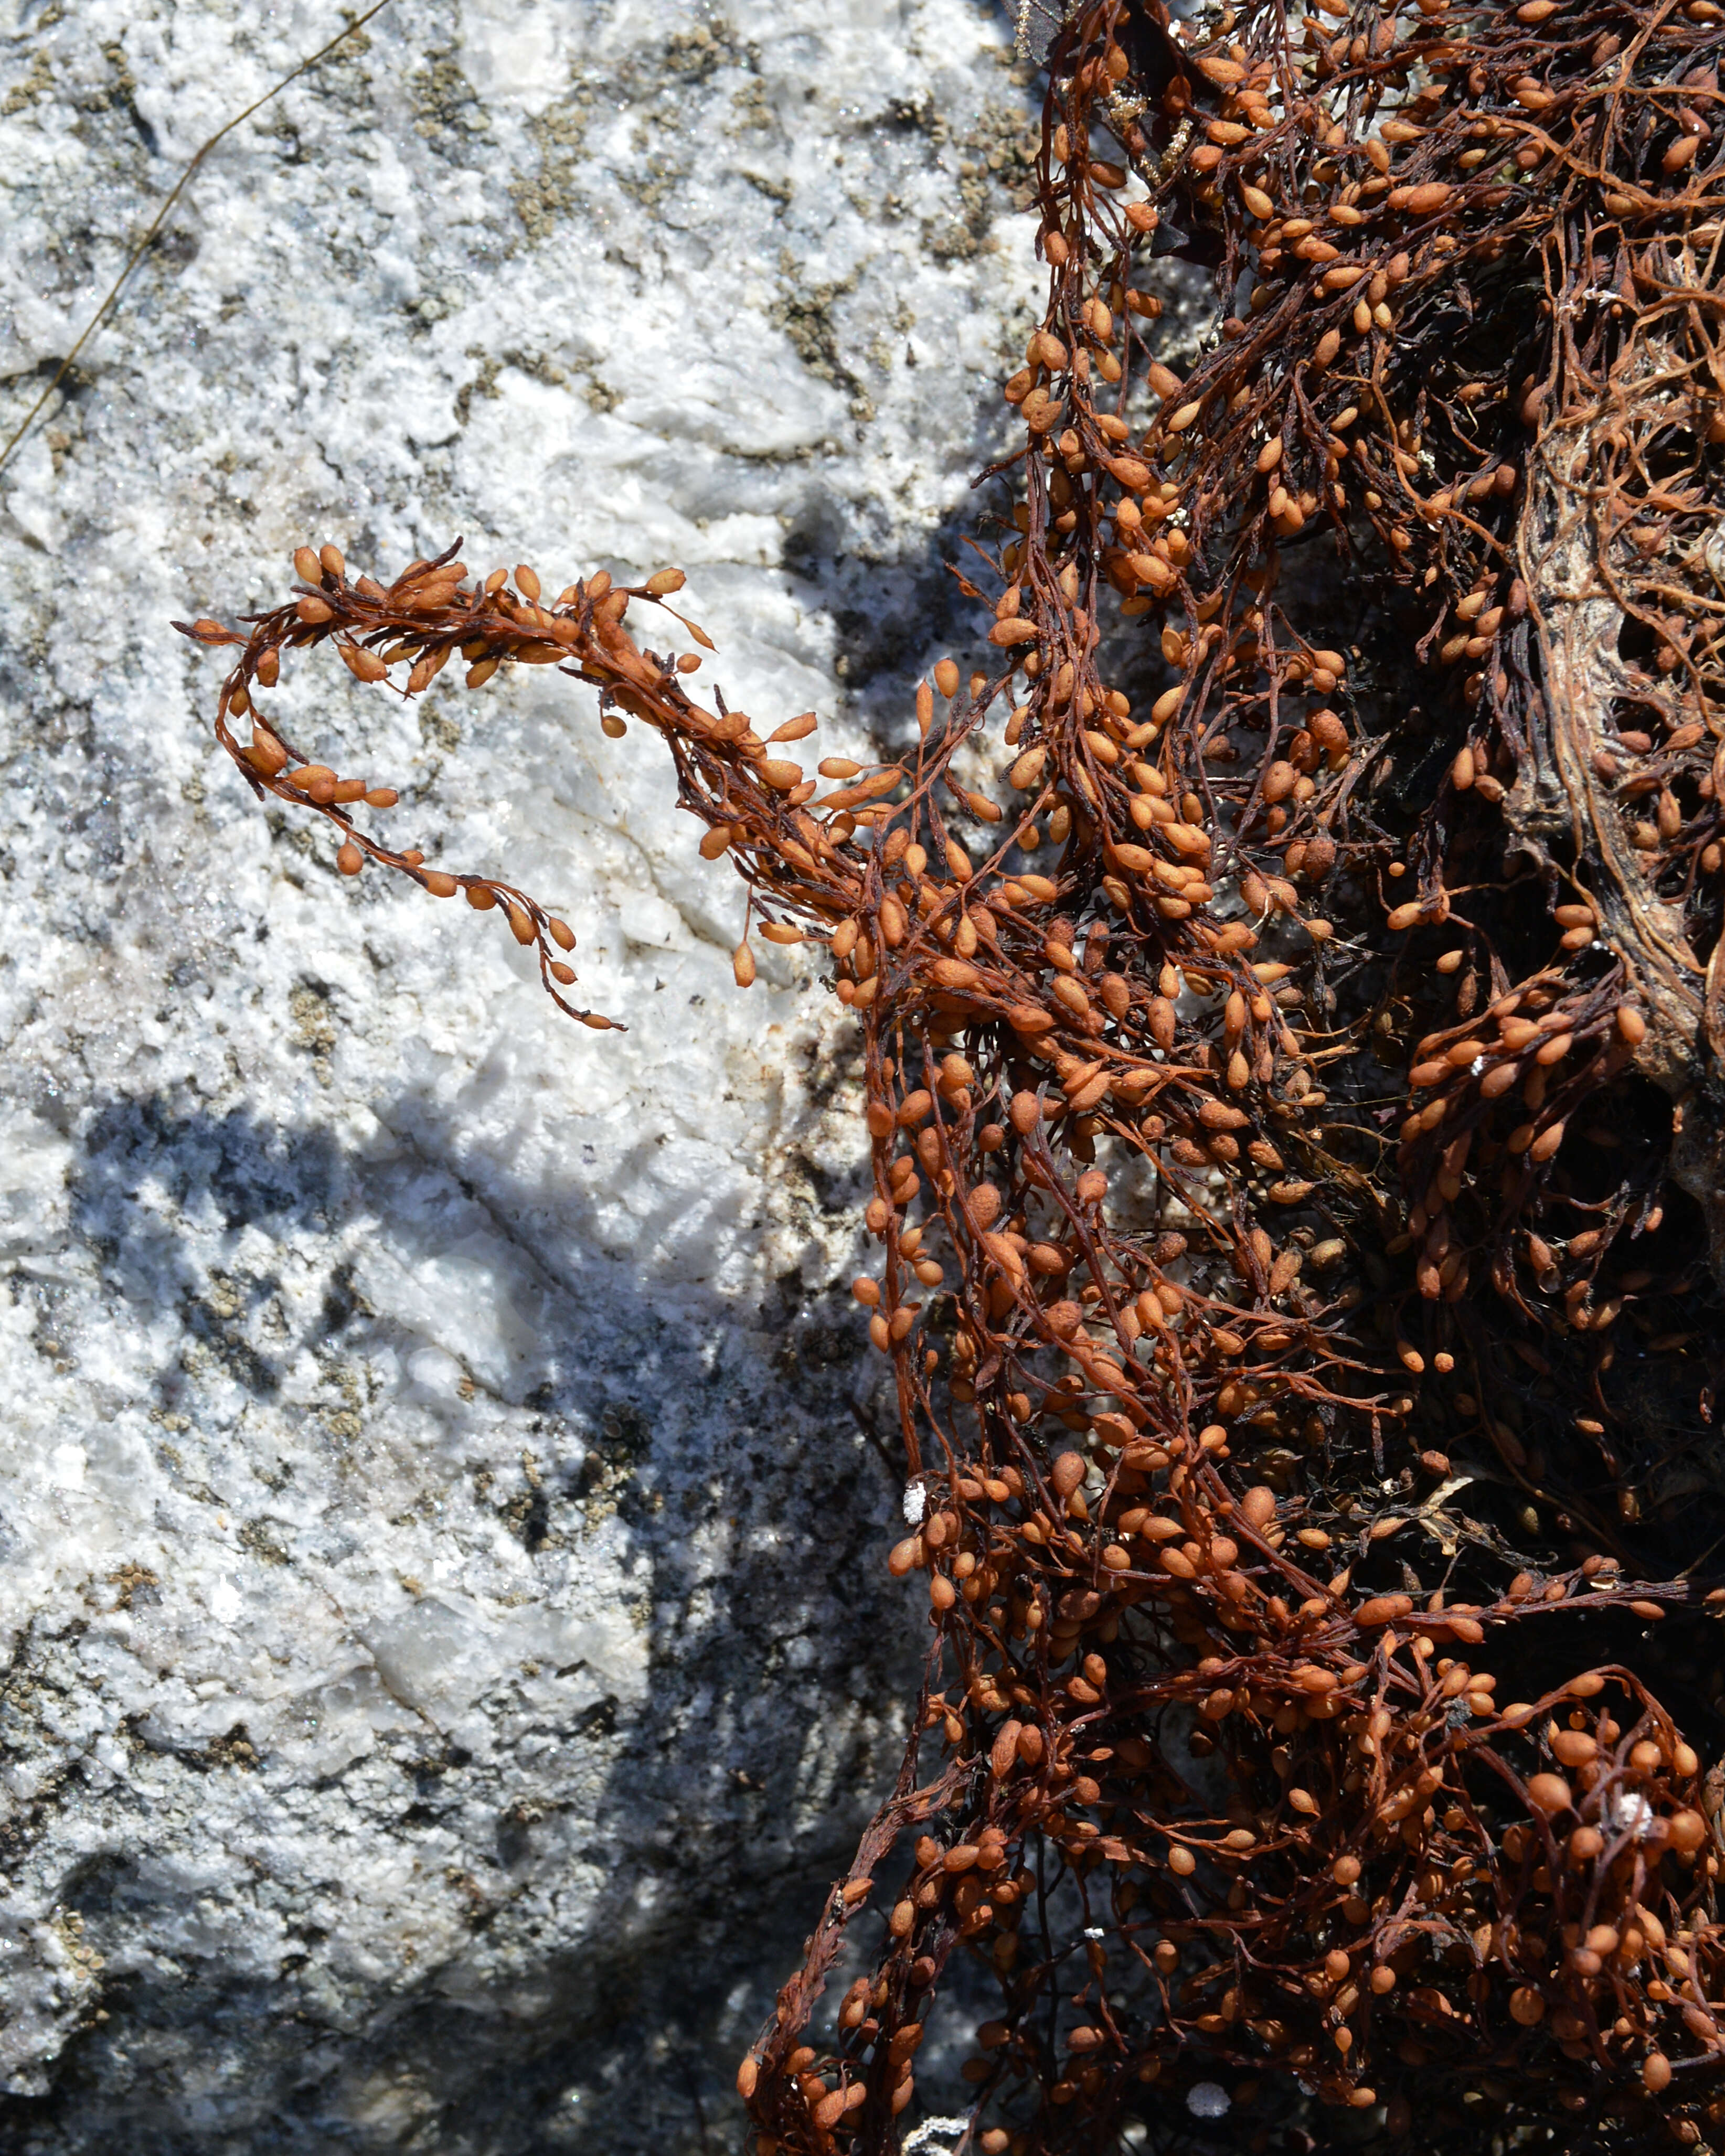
(440, 1508)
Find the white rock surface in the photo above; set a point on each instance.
(439, 1533)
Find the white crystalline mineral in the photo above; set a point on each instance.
(1627, 1811)
(439, 1557)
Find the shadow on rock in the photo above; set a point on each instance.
(634, 1875)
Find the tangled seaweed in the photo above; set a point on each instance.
(1294, 1099)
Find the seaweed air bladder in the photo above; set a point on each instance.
(1294, 1105)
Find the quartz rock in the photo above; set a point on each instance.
(442, 1493)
